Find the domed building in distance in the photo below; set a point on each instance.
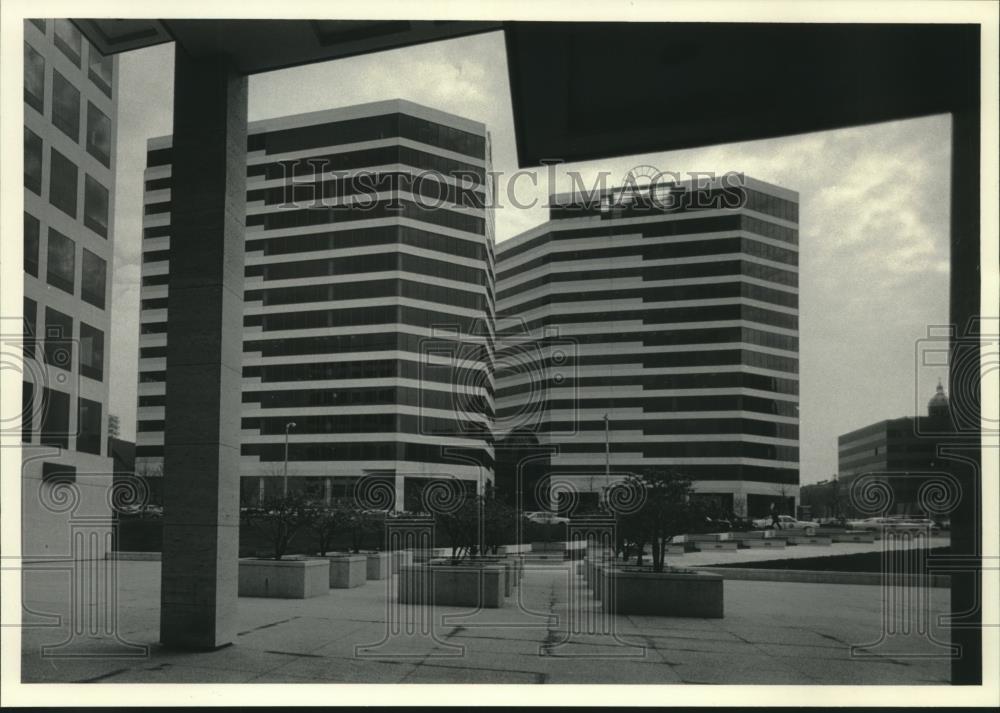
(905, 449)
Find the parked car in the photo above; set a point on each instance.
(895, 523)
(545, 518)
(787, 522)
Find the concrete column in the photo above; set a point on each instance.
(204, 350)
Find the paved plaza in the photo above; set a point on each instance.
(772, 633)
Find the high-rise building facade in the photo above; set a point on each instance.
(640, 331)
(368, 314)
(70, 107)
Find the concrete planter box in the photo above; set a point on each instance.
(854, 537)
(703, 545)
(470, 585)
(510, 570)
(806, 540)
(400, 558)
(681, 594)
(771, 542)
(347, 571)
(284, 579)
(548, 547)
(379, 565)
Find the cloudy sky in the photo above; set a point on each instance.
(874, 218)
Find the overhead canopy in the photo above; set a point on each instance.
(585, 90)
(594, 90)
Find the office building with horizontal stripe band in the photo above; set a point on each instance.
(656, 329)
(368, 305)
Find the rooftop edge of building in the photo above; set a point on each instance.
(355, 111)
(568, 198)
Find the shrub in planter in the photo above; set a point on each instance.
(667, 509)
(280, 519)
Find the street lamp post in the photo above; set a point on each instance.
(284, 479)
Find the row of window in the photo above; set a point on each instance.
(311, 194)
(540, 383)
(659, 251)
(368, 237)
(676, 315)
(317, 319)
(667, 404)
(370, 423)
(362, 396)
(54, 429)
(372, 262)
(369, 369)
(61, 263)
(348, 131)
(387, 450)
(369, 289)
(336, 162)
(672, 293)
(64, 184)
(58, 342)
(658, 360)
(389, 208)
(342, 343)
(676, 427)
(675, 337)
(659, 229)
(697, 449)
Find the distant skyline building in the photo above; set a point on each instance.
(70, 111)
(904, 449)
(675, 315)
(368, 313)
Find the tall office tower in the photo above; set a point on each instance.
(70, 105)
(675, 314)
(368, 314)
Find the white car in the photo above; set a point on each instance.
(787, 522)
(877, 524)
(545, 518)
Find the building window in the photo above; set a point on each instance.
(30, 327)
(93, 279)
(101, 71)
(65, 106)
(58, 339)
(32, 161)
(88, 425)
(34, 78)
(31, 244)
(61, 270)
(95, 206)
(98, 135)
(55, 418)
(27, 410)
(62, 183)
(91, 352)
(69, 40)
